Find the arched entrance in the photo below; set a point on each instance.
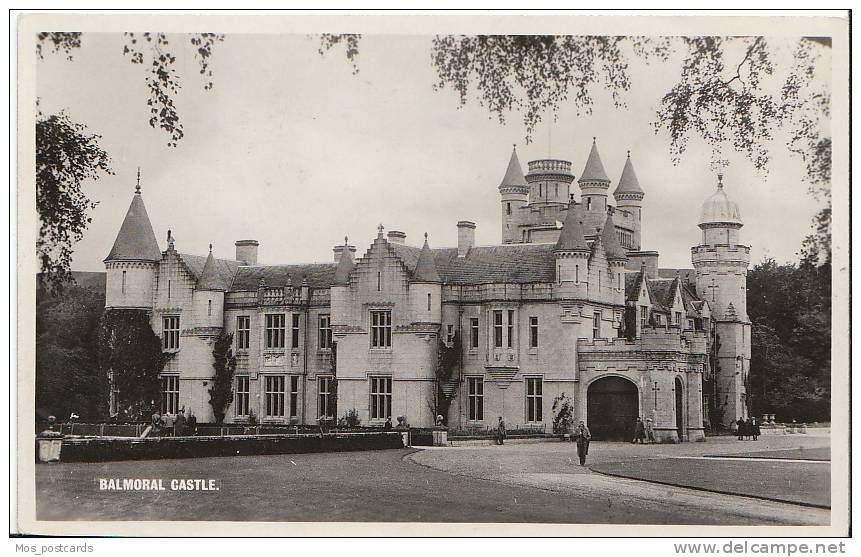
(612, 407)
(680, 409)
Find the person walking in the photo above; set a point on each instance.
(583, 438)
(741, 428)
(500, 432)
(650, 431)
(639, 432)
(755, 431)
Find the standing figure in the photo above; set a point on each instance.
(754, 428)
(500, 432)
(741, 427)
(583, 438)
(388, 425)
(748, 428)
(180, 423)
(639, 432)
(650, 430)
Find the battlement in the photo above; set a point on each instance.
(652, 339)
(549, 166)
(720, 252)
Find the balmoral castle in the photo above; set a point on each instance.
(569, 302)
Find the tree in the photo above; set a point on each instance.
(448, 362)
(130, 353)
(66, 156)
(224, 363)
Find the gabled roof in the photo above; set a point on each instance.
(594, 169)
(688, 277)
(628, 183)
(514, 172)
(633, 283)
(318, 275)
(425, 270)
(511, 263)
(662, 293)
(571, 238)
(611, 244)
(224, 269)
(136, 240)
(344, 268)
(209, 277)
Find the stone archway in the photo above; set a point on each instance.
(612, 408)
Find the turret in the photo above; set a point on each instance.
(426, 288)
(209, 296)
(616, 260)
(593, 190)
(629, 200)
(549, 182)
(572, 256)
(132, 264)
(341, 284)
(514, 192)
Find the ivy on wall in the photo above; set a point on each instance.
(224, 362)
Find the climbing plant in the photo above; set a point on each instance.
(224, 363)
(131, 353)
(448, 362)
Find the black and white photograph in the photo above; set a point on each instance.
(510, 274)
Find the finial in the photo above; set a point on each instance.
(426, 236)
(514, 146)
(210, 248)
(594, 139)
(380, 231)
(138, 185)
(346, 242)
(170, 239)
(629, 153)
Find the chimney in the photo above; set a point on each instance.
(465, 237)
(246, 251)
(397, 237)
(340, 249)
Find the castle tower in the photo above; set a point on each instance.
(132, 264)
(721, 264)
(593, 190)
(549, 182)
(572, 256)
(514, 192)
(426, 288)
(209, 296)
(616, 260)
(341, 285)
(629, 199)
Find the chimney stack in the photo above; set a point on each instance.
(246, 251)
(465, 237)
(397, 237)
(340, 249)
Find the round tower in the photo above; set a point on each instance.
(572, 257)
(593, 190)
(721, 263)
(514, 194)
(629, 202)
(208, 296)
(340, 305)
(549, 181)
(426, 288)
(132, 264)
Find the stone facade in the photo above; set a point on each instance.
(569, 303)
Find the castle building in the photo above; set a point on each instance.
(568, 304)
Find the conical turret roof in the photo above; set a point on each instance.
(571, 238)
(514, 173)
(594, 169)
(136, 240)
(611, 244)
(425, 266)
(209, 279)
(628, 183)
(344, 268)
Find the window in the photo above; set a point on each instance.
(242, 395)
(497, 329)
(429, 301)
(599, 280)
(381, 397)
(473, 332)
(209, 308)
(596, 324)
(540, 190)
(274, 395)
(577, 274)
(379, 281)
(510, 328)
(325, 397)
(475, 398)
(381, 328)
(691, 324)
(325, 332)
(124, 283)
(678, 320)
(449, 337)
(243, 332)
(170, 394)
(294, 395)
(533, 332)
(508, 208)
(534, 399)
(170, 332)
(557, 189)
(644, 316)
(588, 203)
(294, 332)
(168, 289)
(618, 281)
(275, 330)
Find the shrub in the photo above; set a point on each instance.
(563, 414)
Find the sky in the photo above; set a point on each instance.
(291, 149)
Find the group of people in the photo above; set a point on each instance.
(747, 429)
(581, 435)
(176, 425)
(644, 432)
